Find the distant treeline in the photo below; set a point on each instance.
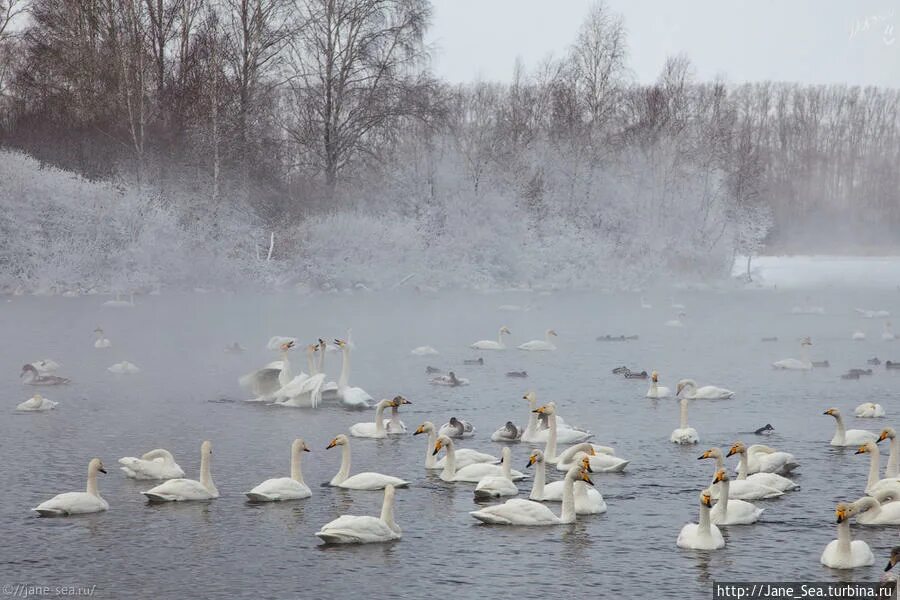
(287, 112)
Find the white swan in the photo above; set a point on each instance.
(687, 388)
(656, 390)
(603, 459)
(765, 459)
(464, 456)
(769, 480)
(393, 425)
(349, 397)
(457, 429)
(741, 489)
(844, 553)
(471, 473)
(156, 464)
(732, 511)
(508, 433)
(492, 345)
(858, 336)
(352, 529)
(102, 341)
(888, 334)
(873, 512)
(848, 437)
(869, 410)
(37, 403)
(540, 345)
(181, 490)
(119, 303)
(266, 381)
(684, 434)
(676, 322)
(360, 481)
(588, 499)
(893, 465)
(376, 429)
(124, 368)
(874, 481)
(45, 366)
(801, 364)
(77, 503)
(703, 535)
(31, 376)
(872, 314)
(535, 432)
(424, 351)
(348, 339)
(284, 488)
(528, 512)
(303, 391)
(450, 380)
(496, 486)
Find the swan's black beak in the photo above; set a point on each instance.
(307, 450)
(102, 470)
(436, 450)
(417, 432)
(730, 452)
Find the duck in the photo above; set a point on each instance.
(741, 489)
(102, 341)
(30, 376)
(540, 345)
(376, 428)
(491, 344)
(124, 368)
(517, 374)
(767, 479)
(729, 511)
(508, 433)
(656, 390)
(351, 529)
(869, 410)
(847, 437)
(703, 535)
(766, 429)
(464, 456)
(496, 486)
(284, 488)
(186, 490)
(588, 499)
(156, 464)
(36, 403)
(794, 364)
(360, 481)
(684, 434)
(457, 429)
(474, 361)
(687, 388)
(77, 503)
(450, 380)
(845, 553)
(468, 474)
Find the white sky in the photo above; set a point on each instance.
(809, 41)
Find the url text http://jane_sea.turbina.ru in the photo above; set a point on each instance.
(824, 590)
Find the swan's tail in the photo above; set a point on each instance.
(486, 517)
(49, 512)
(257, 497)
(154, 497)
(485, 494)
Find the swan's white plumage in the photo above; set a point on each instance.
(351, 529)
(156, 464)
(184, 490)
(869, 410)
(845, 553)
(284, 488)
(36, 403)
(848, 437)
(77, 503)
(703, 535)
(360, 481)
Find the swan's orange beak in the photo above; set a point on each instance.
(841, 514)
(437, 447)
(707, 454)
(706, 500)
(332, 444)
(586, 464)
(420, 429)
(883, 436)
(541, 409)
(585, 478)
(531, 460)
(720, 476)
(830, 411)
(862, 450)
(733, 450)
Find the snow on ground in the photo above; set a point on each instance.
(805, 271)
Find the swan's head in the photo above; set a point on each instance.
(206, 448)
(339, 440)
(98, 331)
(868, 447)
(287, 345)
(311, 348)
(579, 473)
(685, 384)
(29, 368)
(887, 433)
(96, 465)
(440, 443)
(586, 463)
(340, 343)
(530, 396)
(721, 475)
(426, 427)
(552, 332)
(895, 558)
(844, 511)
(398, 400)
(511, 428)
(299, 446)
(706, 498)
(454, 422)
(505, 455)
(505, 330)
(536, 457)
(654, 376)
(38, 397)
(806, 341)
(711, 453)
(833, 412)
(737, 448)
(547, 409)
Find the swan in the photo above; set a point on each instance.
(30, 376)
(868, 410)
(741, 489)
(765, 459)
(603, 459)
(119, 303)
(471, 473)
(535, 433)
(676, 322)
(424, 351)
(844, 553)
(348, 340)
(588, 499)
(180, 490)
(37, 403)
(732, 511)
(450, 380)
(495, 486)
(457, 429)
(304, 390)
(684, 434)
(858, 336)
(350, 397)
(124, 368)
(375, 429)
(284, 488)
(507, 433)
(539, 345)
(492, 345)
(703, 535)
(352, 529)
(394, 426)
(793, 364)
(77, 503)
(873, 512)
(156, 464)
(891, 470)
(360, 481)
(45, 366)
(102, 341)
(464, 456)
(769, 480)
(848, 437)
(707, 392)
(656, 390)
(888, 334)
(529, 512)
(872, 314)
(274, 376)
(874, 482)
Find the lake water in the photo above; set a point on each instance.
(187, 392)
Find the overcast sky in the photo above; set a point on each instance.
(810, 41)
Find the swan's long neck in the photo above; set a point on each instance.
(684, 420)
(874, 467)
(550, 449)
(568, 503)
(724, 488)
(311, 364)
(450, 462)
(430, 459)
(843, 538)
(285, 374)
(804, 353)
(703, 525)
(321, 366)
(892, 469)
(395, 415)
(205, 476)
(532, 418)
(379, 419)
(654, 387)
(345, 466)
(92, 481)
(547, 337)
(500, 337)
(387, 510)
(345, 368)
(840, 433)
(296, 473)
(540, 476)
(743, 467)
(506, 468)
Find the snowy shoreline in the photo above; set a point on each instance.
(812, 271)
